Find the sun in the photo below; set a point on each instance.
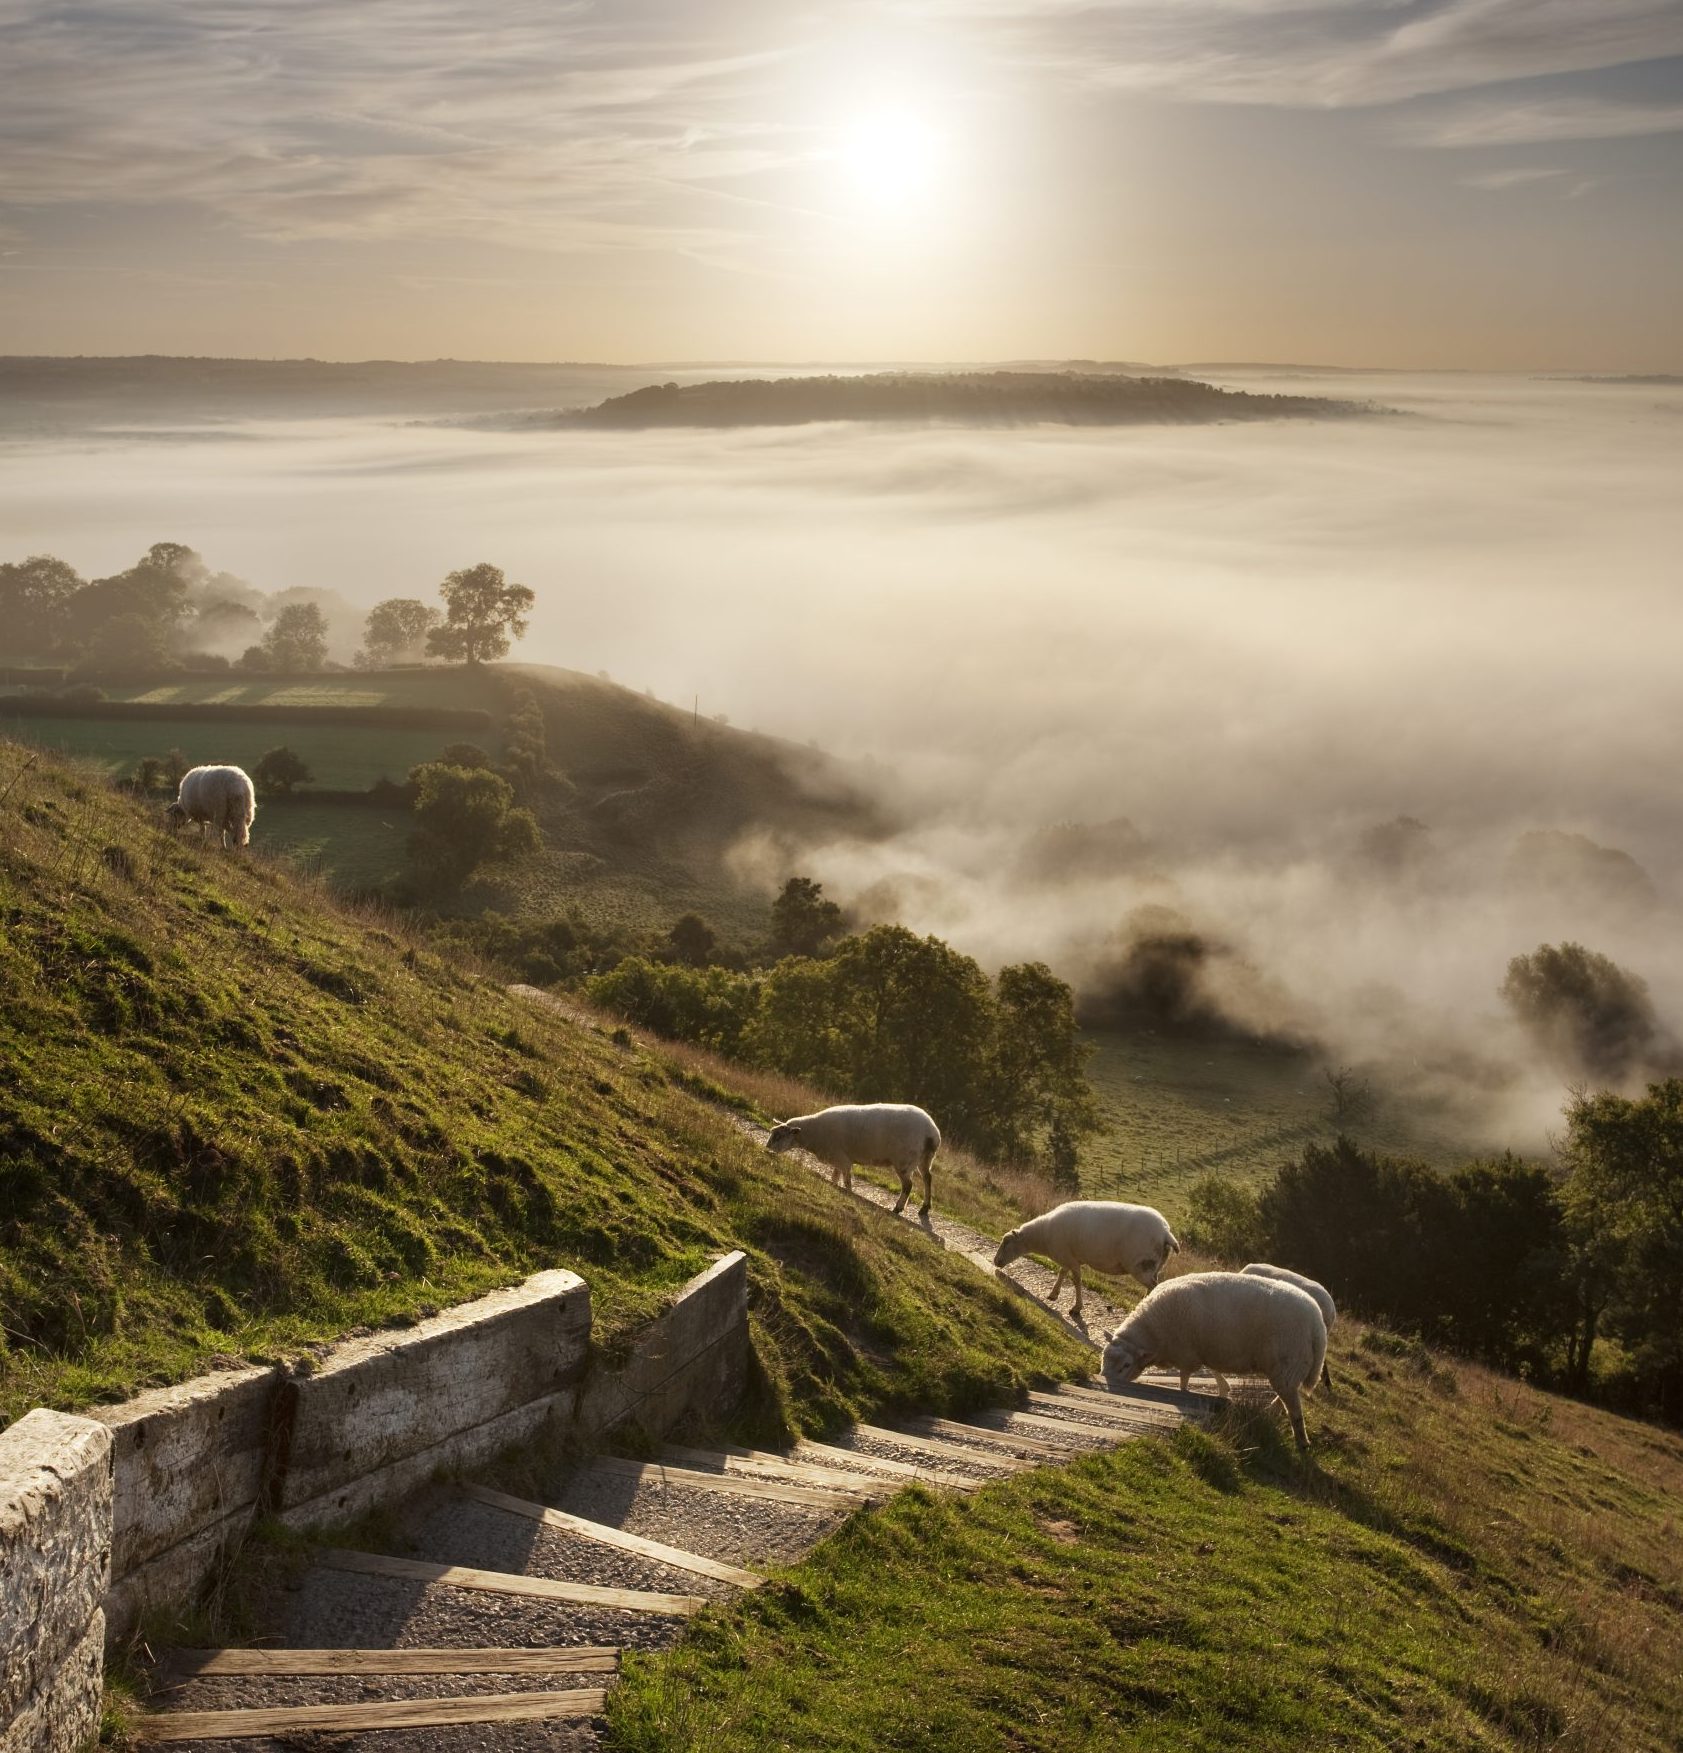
(891, 159)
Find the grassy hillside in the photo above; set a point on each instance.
(1174, 1109)
(638, 828)
(238, 1119)
(1464, 1563)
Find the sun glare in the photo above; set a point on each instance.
(891, 159)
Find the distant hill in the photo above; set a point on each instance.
(983, 398)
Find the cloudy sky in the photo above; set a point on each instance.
(1479, 183)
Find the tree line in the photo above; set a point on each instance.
(170, 610)
(1570, 1275)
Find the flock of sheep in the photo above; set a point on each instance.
(1264, 1321)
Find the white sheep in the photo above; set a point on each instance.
(1226, 1321)
(1103, 1234)
(1322, 1296)
(222, 798)
(875, 1135)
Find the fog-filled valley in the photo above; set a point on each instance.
(1317, 722)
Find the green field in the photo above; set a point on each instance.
(356, 847)
(458, 688)
(340, 757)
(1175, 1109)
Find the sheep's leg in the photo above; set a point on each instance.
(1075, 1307)
(1057, 1285)
(1221, 1385)
(1185, 1377)
(928, 1175)
(905, 1190)
(1326, 1378)
(1290, 1399)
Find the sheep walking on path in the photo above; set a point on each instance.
(1226, 1322)
(875, 1135)
(222, 798)
(1322, 1296)
(1102, 1234)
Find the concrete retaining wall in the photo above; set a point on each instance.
(383, 1414)
(197, 1464)
(55, 1566)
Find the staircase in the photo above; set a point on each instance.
(497, 1623)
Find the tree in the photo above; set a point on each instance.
(155, 589)
(464, 816)
(481, 612)
(128, 642)
(526, 746)
(34, 595)
(802, 921)
(396, 632)
(464, 755)
(297, 639)
(1591, 1017)
(1625, 1195)
(692, 940)
(1041, 1104)
(279, 770)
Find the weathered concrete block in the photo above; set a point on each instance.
(691, 1362)
(62, 1715)
(399, 1397)
(55, 1553)
(187, 1457)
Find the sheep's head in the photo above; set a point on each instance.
(785, 1135)
(1124, 1358)
(1010, 1249)
(175, 815)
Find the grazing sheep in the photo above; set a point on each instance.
(222, 798)
(876, 1135)
(1322, 1296)
(1101, 1233)
(1223, 1321)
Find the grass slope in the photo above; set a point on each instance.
(1174, 1109)
(238, 1120)
(1463, 1564)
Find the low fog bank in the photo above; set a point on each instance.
(1251, 645)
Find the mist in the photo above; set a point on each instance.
(1250, 644)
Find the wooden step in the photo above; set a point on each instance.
(730, 1484)
(881, 1464)
(605, 1535)
(409, 1713)
(950, 1427)
(1108, 1433)
(928, 1445)
(497, 1582)
(761, 1464)
(205, 1664)
(1128, 1413)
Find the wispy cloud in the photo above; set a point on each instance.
(1323, 53)
(524, 123)
(1543, 119)
(1512, 179)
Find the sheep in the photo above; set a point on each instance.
(1322, 1296)
(1223, 1321)
(1101, 1233)
(216, 797)
(877, 1135)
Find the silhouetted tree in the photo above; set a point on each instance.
(482, 611)
(692, 940)
(396, 632)
(802, 921)
(1040, 1102)
(279, 770)
(1590, 1016)
(34, 596)
(297, 639)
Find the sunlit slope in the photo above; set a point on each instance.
(235, 1118)
(1462, 1563)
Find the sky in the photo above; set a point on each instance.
(1472, 184)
